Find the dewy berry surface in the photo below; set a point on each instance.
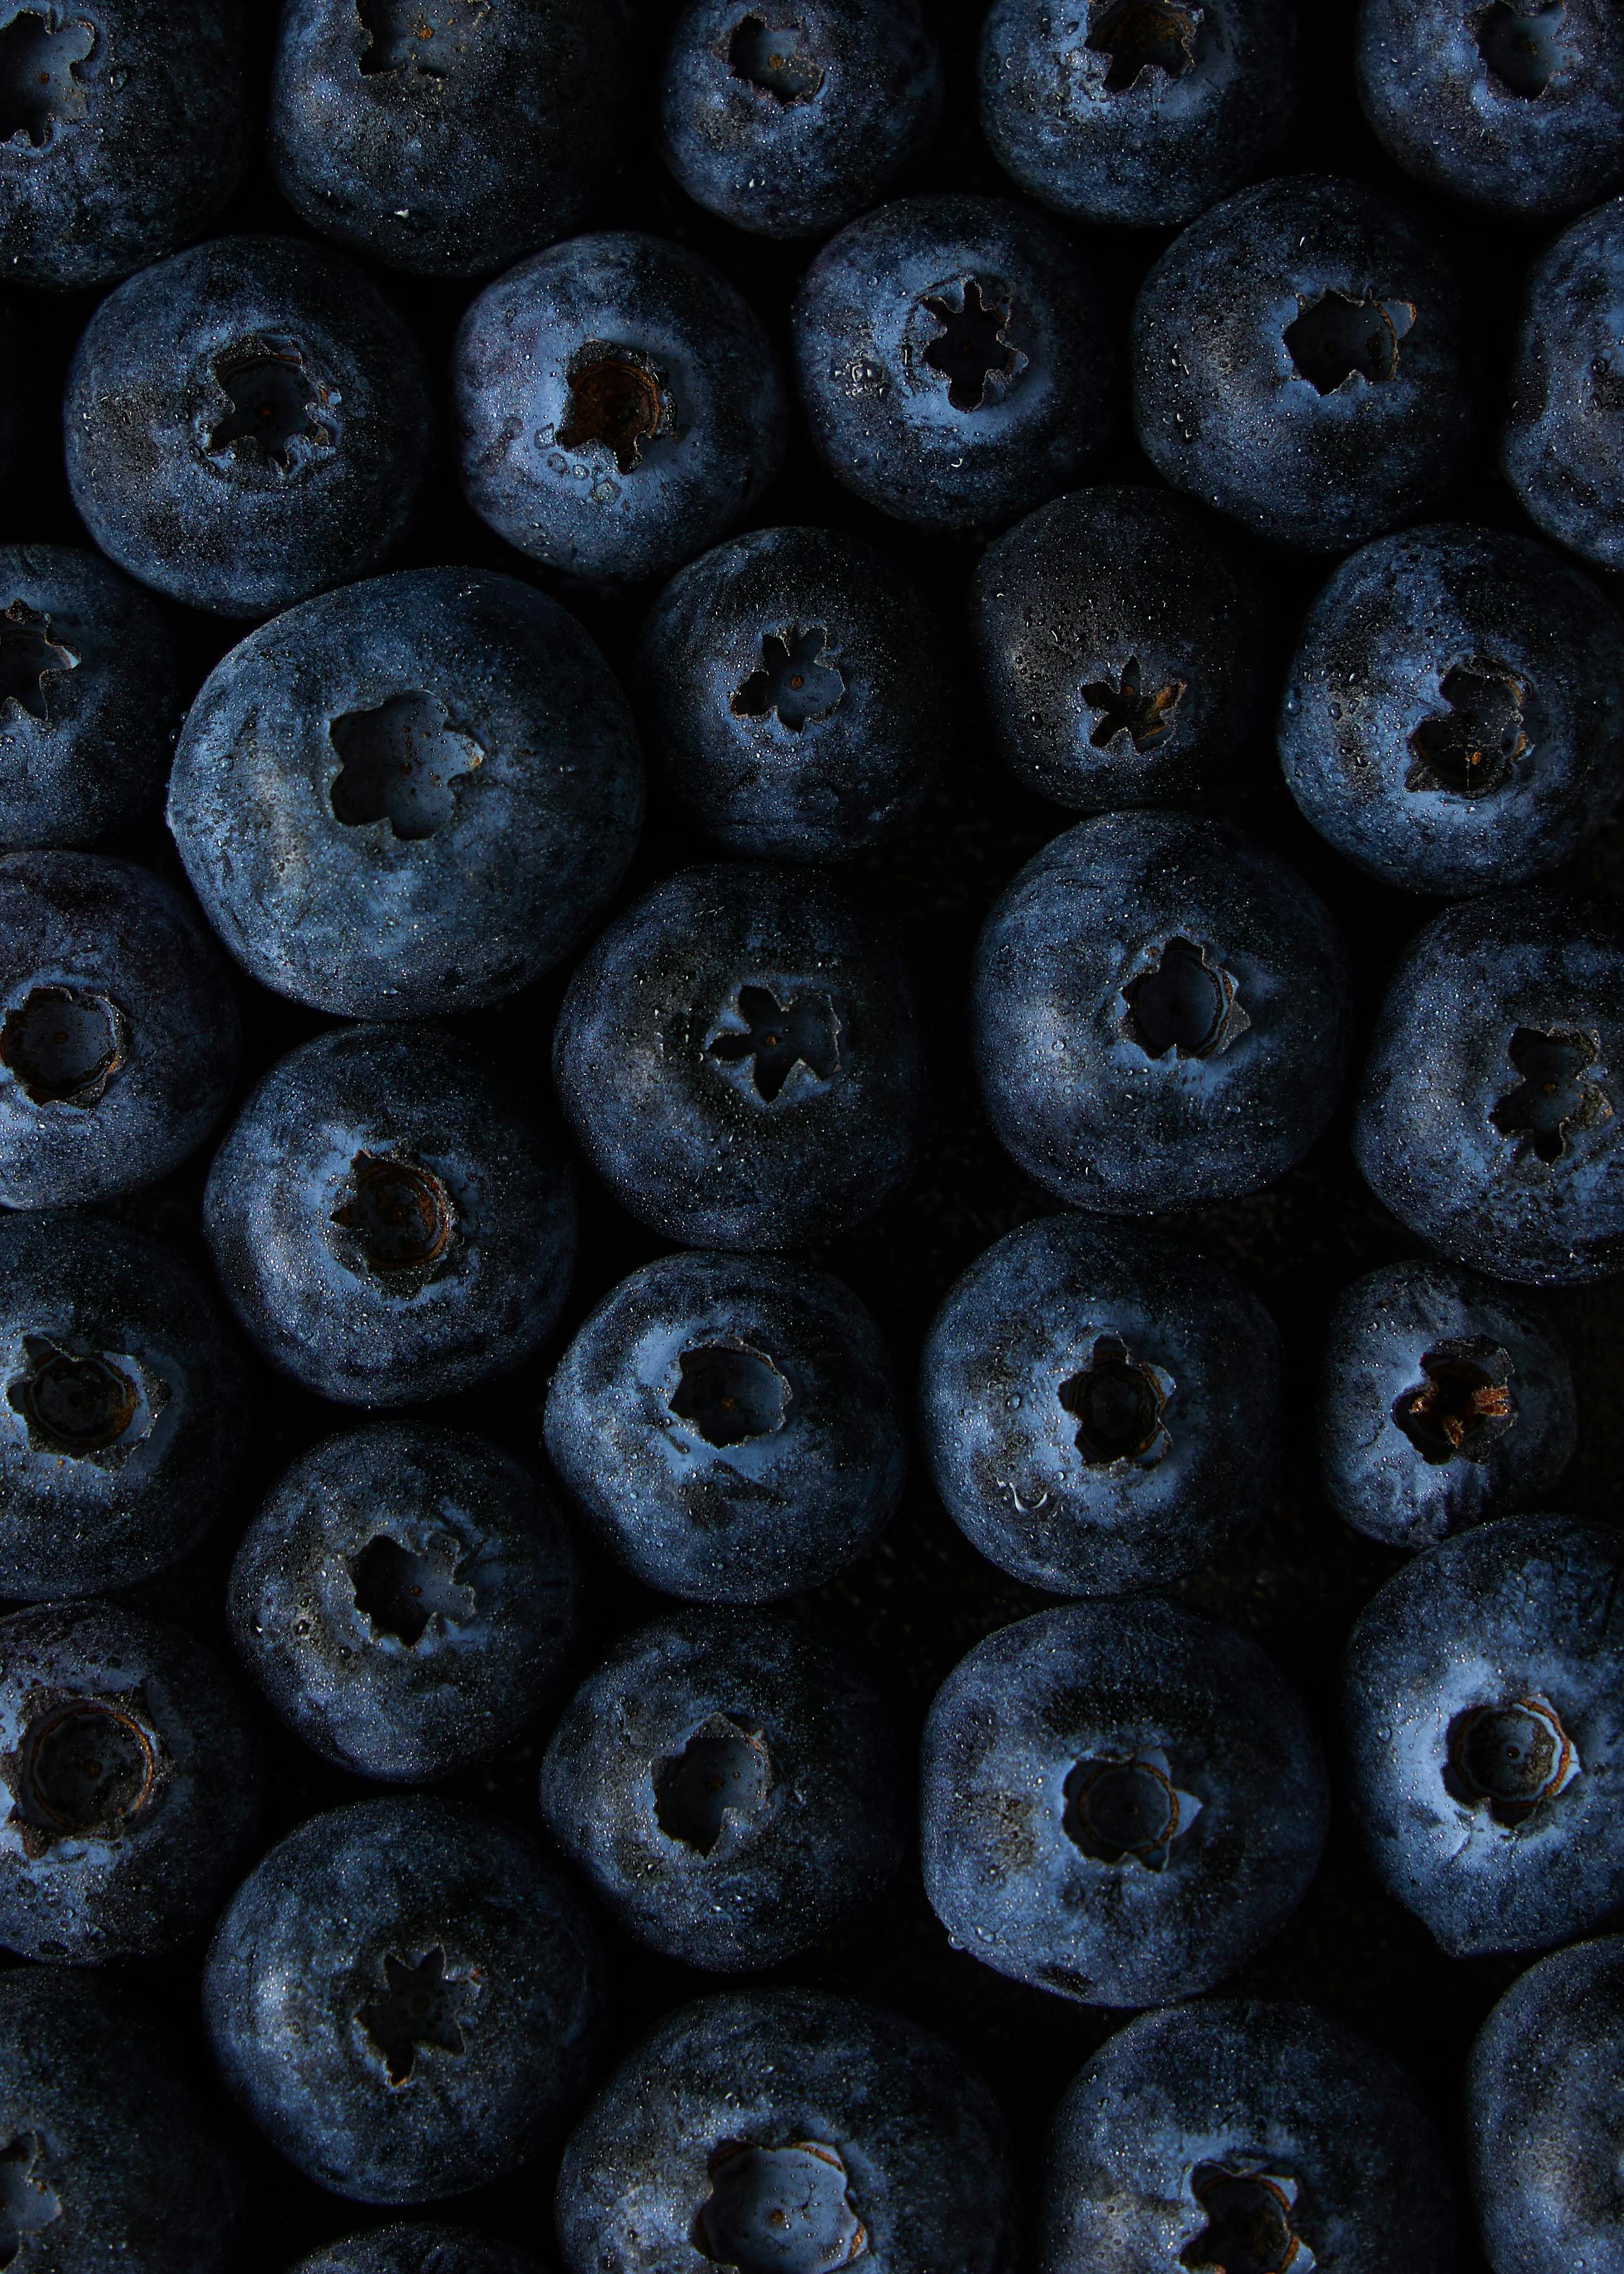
(534, 1243)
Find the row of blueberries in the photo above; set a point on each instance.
(1120, 1803)
(450, 144)
(250, 421)
(1452, 721)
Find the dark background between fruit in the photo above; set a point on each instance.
(924, 1597)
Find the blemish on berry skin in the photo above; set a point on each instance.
(969, 350)
(26, 2203)
(279, 411)
(1462, 1406)
(402, 763)
(1145, 714)
(415, 36)
(1510, 1758)
(1340, 338)
(724, 1768)
(84, 1768)
(1249, 2228)
(1121, 1808)
(771, 1037)
(84, 1404)
(1554, 1096)
(423, 2007)
(1468, 749)
(769, 57)
(42, 85)
(28, 658)
(64, 1045)
(797, 681)
(398, 1591)
(730, 1393)
(1117, 1402)
(399, 1217)
(619, 400)
(779, 2210)
(1521, 44)
(1140, 36)
(1184, 1004)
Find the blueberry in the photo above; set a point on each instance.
(797, 695)
(1483, 1716)
(122, 131)
(448, 143)
(731, 1783)
(1160, 1014)
(409, 796)
(1516, 106)
(789, 2132)
(246, 423)
(1544, 2108)
(406, 1998)
(405, 1599)
(1300, 362)
(1249, 2137)
(619, 406)
(90, 698)
(1454, 717)
(1559, 447)
(1122, 1802)
(729, 1426)
(389, 1219)
(1124, 647)
(1444, 1400)
(789, 128)
(124, 1406)
(106, 2158)
(1100, 1406)
(129, 1773)
(118, 1029)
(739, 1058)
(1488, 1118)
(956, 362)
(420, 2247)
(1136, 111)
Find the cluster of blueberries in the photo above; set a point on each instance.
(407, 794)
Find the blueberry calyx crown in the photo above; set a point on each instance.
(84, 1768)
(402, 763)
(399, 1591)
(1249, 2212)
(1521, 44)
(84, 1404)
(725, 1769)
(1138, 36)
(1125, 1808)
(1184, 1004)
(970, 349)
(773, 1031)
(1462, 1405)
(729, 1392)
(1117, 1402)
(278, 408)
(619, 400)
(799, 681)
(1552, 1096)
(26, 2203)
(401, 37)
(28, 657)
(779, 2210)
(1510, 1758)
(1145, 714)
(42, 89)
(399, 1220)
(1339, 339)
(421, 2008)
(1468, 749)
(64, 1044)
(769, 58)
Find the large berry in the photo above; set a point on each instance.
(131, 1772)
(405, 1599)
(1484, 1710)
(1559, 444)
(731, 1784)
(125, 1407)
(408, 797)
(119, 1033)
(247, 423)
(405, 1997)
(1491, 1116)
(789, 2133)
(1160, 1014)
(738, 1056)
(1122, 1802)
(1100, 1406)
(419, 2246)
(729, 1426)
(389, 1217)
